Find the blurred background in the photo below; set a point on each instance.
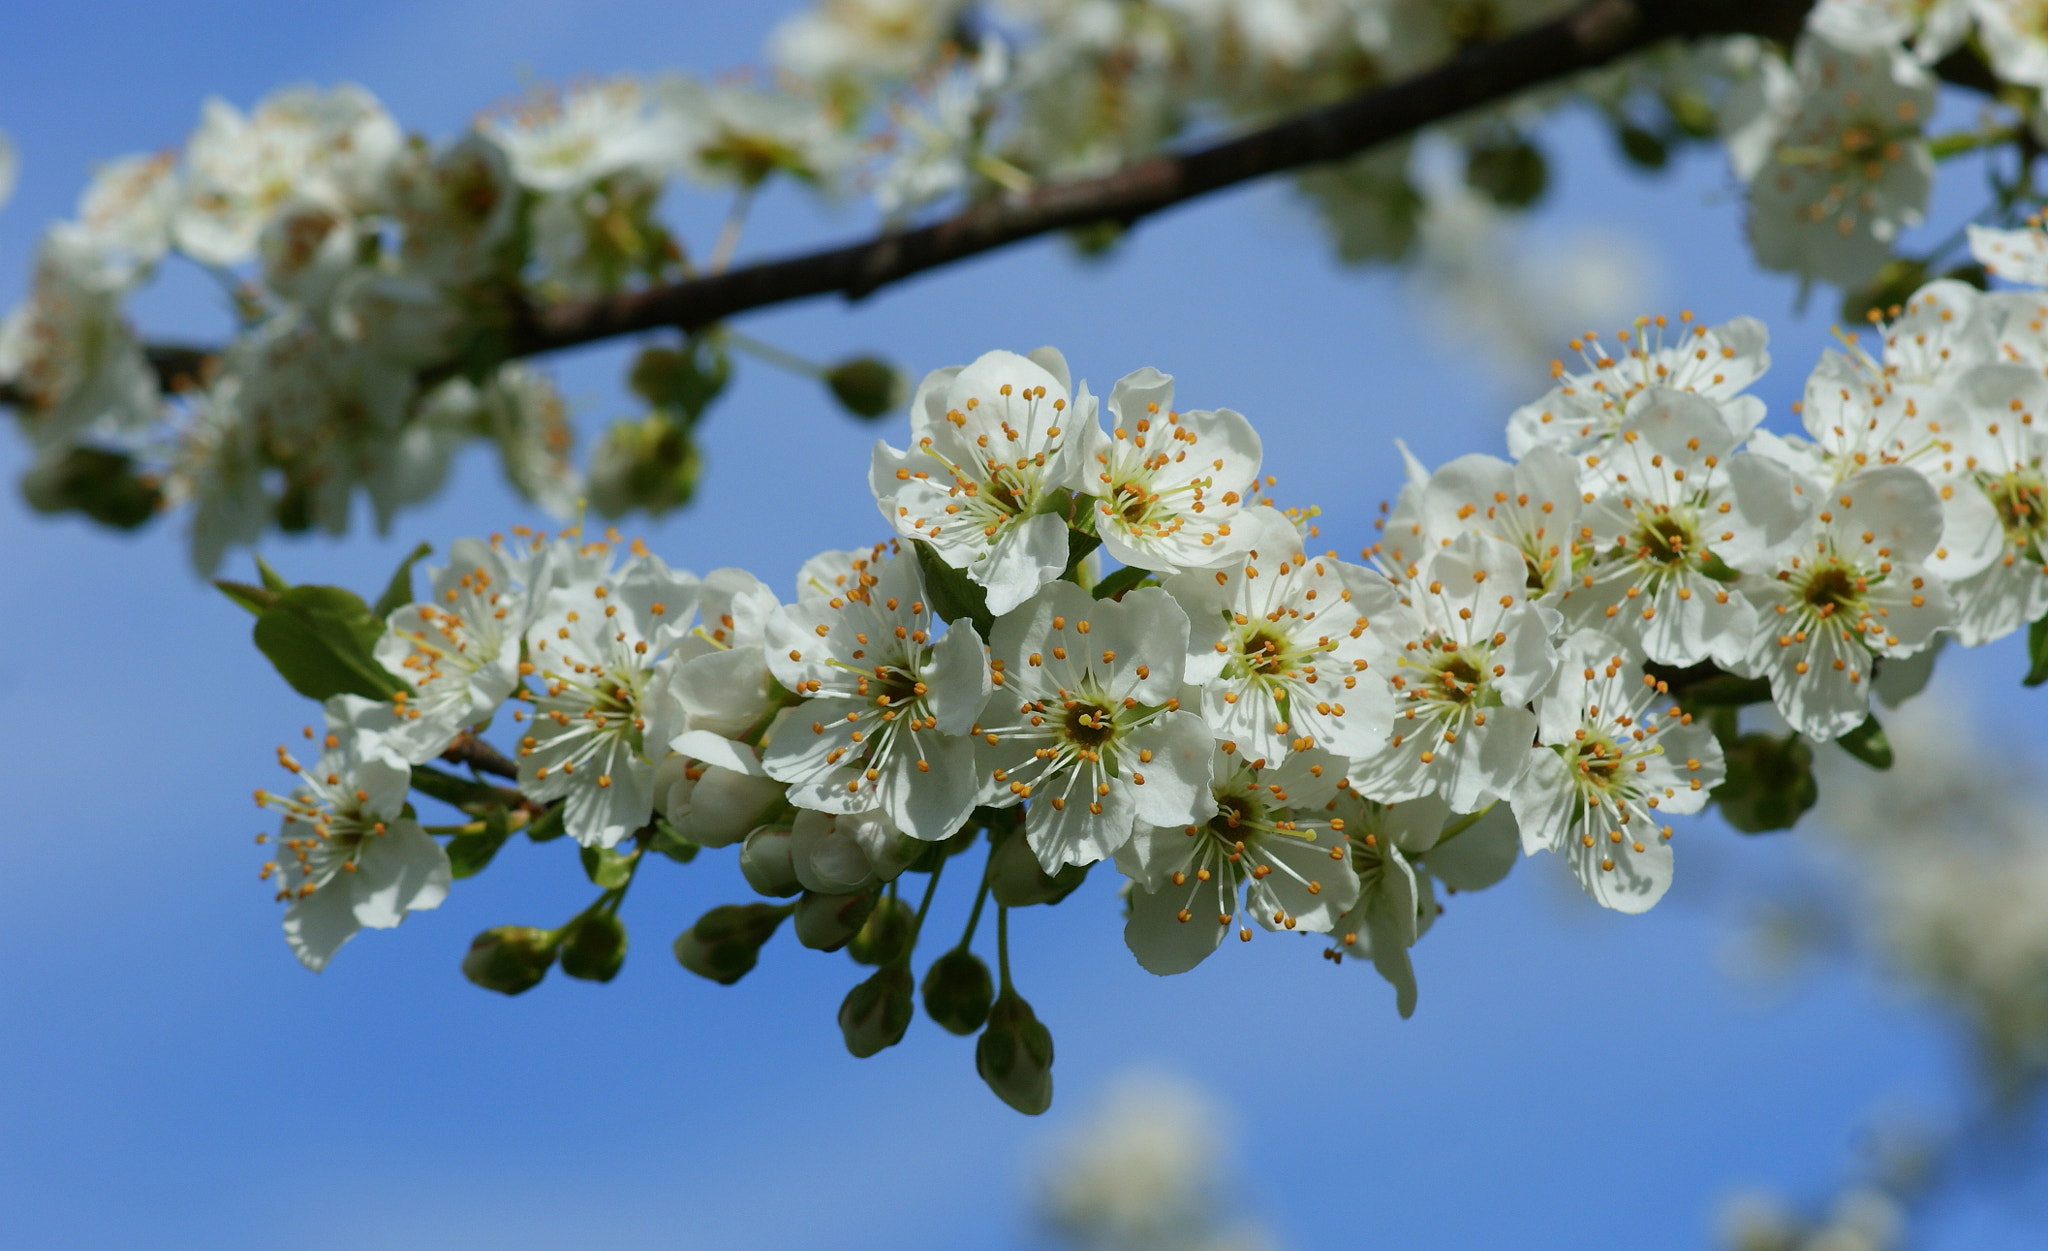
(1828, 1038)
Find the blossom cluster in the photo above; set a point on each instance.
(1252, 729)
(376, 277)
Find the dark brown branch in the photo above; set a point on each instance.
(1587, 38)
(477, 754)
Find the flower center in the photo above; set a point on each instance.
(1831, 589)
(1665, 539)
(1265, 653)
(1089, 725)
(2018, 497)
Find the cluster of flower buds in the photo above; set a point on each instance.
(1256, 732)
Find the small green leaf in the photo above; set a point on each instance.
(320, 638)
(2037, 653)
(607, 868)
(272, 579)
(953, 594)
(253, 598)
(1122, 580)
(1867, 742)
(469, 854)
(1725, 690)
(398, 592)
(1079, 544)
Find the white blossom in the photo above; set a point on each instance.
(71, 353)
(1276, 843)
(1170, 488)
(1086, 725)
(458, 649)
(1463, 654)
(1678, 514)
(596, 731)
(886, 704)
(995, 449)
(349, 857)
(1610, 764)
(1276, 644)
(1583, 411)
(1852, 586)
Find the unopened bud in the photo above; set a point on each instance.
(711, 806)
(101, 484)
(958, 991)
(765, 862)
(685, 379)
(869, 386)
(826, 855)
(510, 958)
(1017, 880)
(1511, 172)
(875, 1013)
(887, 934)
(726, 942)
(829, 922)
(595, 948)
(650, 464)
(1014, 1055)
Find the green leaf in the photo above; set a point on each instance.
(1725, 690)
(953, 594)
(1122, 580)
(1867, 742)
(320, 639)
(1769, 784)
(607, 868)
(272, 579)
(469, 854)
(2037, 653)
(398, 592)
(253, 598)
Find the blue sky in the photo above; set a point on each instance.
(175, 1079)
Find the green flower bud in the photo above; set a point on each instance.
(1017, 880)
(595, 948)
(1014, 1055)
(887, 934)
(1769, 784)
(686, 379)
(649, 464)
(868, 386)
(510, 958)
(726, 942)
(766, 864)
(103, 485)
(876, 1012)
(1692, 113)
(958, 991)
(1641, 147)
(829, 922)
(1511, 172)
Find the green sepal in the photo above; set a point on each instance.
(253, 598)
(1125, 579)
(470, 854)
(607, 868)
(954, 596)
(320, 638)
(272, 579)
(548, 826)
(671, 844)
(398, 592)
(1717, 569)
(2037, 654)
(1867, 742)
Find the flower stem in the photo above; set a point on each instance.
(1003, 944)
